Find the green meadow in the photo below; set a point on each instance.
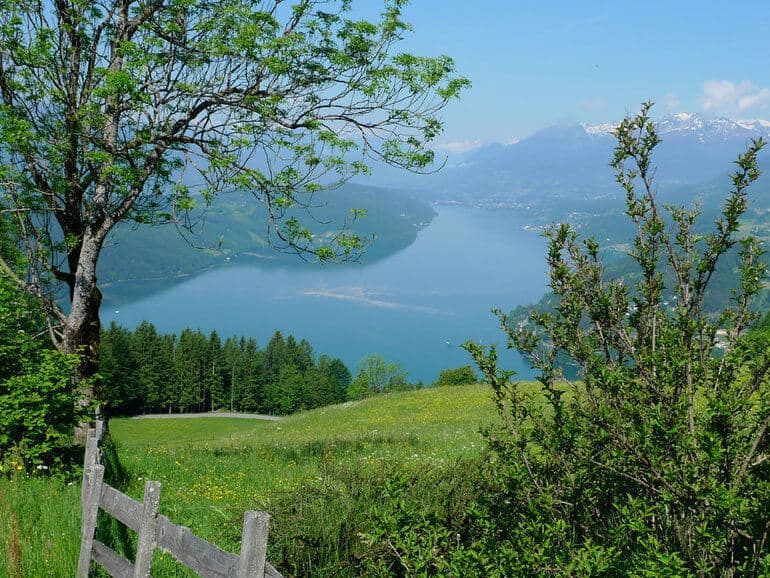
(321, 474)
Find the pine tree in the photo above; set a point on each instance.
(123, 392)
(189, 364)
(145, 344)
(214, 380)
(252, 393)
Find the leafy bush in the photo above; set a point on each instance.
(458, 376)
(37, 415)
(375, 375)
(655, 462)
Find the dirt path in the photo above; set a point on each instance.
(209, 414)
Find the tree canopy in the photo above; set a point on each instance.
(144, 372)
(136, 110)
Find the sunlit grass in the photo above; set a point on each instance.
(214, 469)
(446, 417)
(177, 431)
(39, 527)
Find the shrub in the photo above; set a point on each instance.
(458, 376)
(655, 462)
(375, 375)
(37, 415)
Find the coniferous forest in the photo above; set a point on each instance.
(144, 371)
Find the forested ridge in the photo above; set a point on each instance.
(139, 259)
(144, 371)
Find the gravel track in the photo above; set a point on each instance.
(217, 414)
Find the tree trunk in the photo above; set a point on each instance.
(82, 334)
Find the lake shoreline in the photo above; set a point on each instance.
(413, 308)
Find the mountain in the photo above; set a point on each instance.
(570, 162)
(696, 148)
(140, 259)
(693, 125)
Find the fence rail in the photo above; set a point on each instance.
(158, 532)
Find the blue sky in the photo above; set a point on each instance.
(535, 64)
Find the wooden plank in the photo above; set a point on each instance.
(195, 553)
(148, 532)
(90, 459)
(256, 527)
(121, 507)
(95, 475)
(114, 563)
(198, 555)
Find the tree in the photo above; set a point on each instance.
(291, 390)
(146, 346)
(320, 389)
(190, 369)
(36, 412)
(299, 354)
(233, 377)
(375, 375)
(120, 372)
(252, 392)
(214, 368)
(458, 376)
(655, 462)
(134, 110)
(166, 372)
(336, 371)
(275, 357)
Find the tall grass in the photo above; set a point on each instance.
(320, 474)
(39, 526)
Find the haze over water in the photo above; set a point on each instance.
(415, 307)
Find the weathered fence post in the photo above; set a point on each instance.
(156, 531)
(148, 531)
(91, 459)
(94, 476)
(256, 526)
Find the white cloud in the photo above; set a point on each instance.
(671, 102)
(593, 105)
(726, 96)
(753, 101)
(458, 146)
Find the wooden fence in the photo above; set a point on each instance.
(158, 532)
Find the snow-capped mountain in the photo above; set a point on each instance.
(570, 161)
(693, 125)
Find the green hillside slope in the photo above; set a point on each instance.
(320, 474)
(443, 422)
(143, 258)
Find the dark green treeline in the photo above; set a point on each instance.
(146, 372)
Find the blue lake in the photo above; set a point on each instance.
(415, 307)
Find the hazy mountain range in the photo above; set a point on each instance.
(571, 161)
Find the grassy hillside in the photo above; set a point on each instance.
(318, 473)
